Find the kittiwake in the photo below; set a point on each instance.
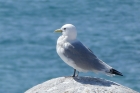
(77, 55)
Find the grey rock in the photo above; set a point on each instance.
(79, 85)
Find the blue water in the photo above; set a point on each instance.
(111, 29)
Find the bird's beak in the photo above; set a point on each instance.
(58, 30)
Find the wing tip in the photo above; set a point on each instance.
(113, 71)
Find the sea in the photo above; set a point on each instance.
(110, 28)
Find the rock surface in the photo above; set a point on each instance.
(79, 85)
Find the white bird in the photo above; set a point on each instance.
(77, 55)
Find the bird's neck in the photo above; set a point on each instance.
(69, 39)
(66, 39)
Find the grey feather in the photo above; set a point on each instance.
(84, 57)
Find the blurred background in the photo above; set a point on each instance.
(110, 28)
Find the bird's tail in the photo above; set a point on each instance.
(113, 71)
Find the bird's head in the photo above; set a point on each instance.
(68, 30)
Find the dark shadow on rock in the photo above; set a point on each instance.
(94, 81)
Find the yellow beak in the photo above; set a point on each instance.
(58, 30)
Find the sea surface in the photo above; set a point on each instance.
(110, 28)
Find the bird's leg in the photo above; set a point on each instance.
(74, 73)
(77, 73)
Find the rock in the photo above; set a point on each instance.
(79, 85)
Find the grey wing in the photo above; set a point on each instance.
(84, 57)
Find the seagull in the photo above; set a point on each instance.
(77, 55)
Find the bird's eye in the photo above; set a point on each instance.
(64, 28)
